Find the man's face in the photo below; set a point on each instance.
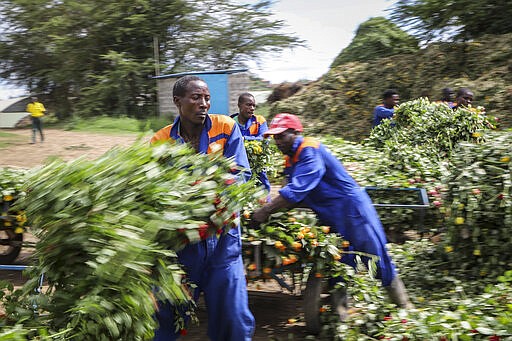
(465, 99)
(284, 141)
(392, 101)
(194, 105)
(246, 107)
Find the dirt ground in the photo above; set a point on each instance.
(67, 145)
(271, 305)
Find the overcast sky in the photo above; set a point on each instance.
(328, 26)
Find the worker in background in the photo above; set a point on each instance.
(464, 98)
(447, 96)
(252, 126)
(386, 110)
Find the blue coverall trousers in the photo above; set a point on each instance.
(216, 267)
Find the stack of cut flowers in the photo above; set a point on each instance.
(109, 230)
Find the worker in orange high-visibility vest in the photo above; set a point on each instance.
(252, 126)
(215, 264)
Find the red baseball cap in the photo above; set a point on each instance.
(282, 122)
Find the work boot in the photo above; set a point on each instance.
(339, 299)
(398, 294)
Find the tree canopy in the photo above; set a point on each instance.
(455, 19)
(375, 38)
(98, 55)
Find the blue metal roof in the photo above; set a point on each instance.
(176, 75)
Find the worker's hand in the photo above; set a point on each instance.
(255, 225)
(259, 216)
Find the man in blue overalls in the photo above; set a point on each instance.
(214, 265)
(252, 126)
(386, 110)
(463, 99)
(317, 180)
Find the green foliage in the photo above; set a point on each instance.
(479, 207)
(457, 20)
(263, 157)
(11, 183)
(377, 168)
(95, 57)
(155, 123)
(375, 38)
(421, 134)
(293, 241)
(262, 109)
(367, 165)
(258, 84)
(7, 139)
(243, 35)
(342, 101)
(121, 90)
(446, 307)
(108, 234)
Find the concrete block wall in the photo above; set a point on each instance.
(237, 83)
(166, 106)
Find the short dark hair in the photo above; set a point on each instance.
(389, 93)
(180, 87)
(447, 94)
(447, 91)
(463, 91)
(244, 95)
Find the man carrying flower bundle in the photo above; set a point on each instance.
(463, 99)
(386, 110)
(215, 264)
(252, 126)
(317, 180)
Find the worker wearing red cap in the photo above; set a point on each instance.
(316, 179)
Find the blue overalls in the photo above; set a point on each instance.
(317, 179)
(380, 113)
(215, 265)
(254, 129)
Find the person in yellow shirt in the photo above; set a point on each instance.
(37, 111)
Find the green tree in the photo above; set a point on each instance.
(78, 52)
(453, 20)
(376, 38)
(236, 33)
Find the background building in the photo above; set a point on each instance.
(225, 87)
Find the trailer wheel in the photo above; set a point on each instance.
(314, 298)
(10, 245)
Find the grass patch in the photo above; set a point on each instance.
(105, 124)
(8, 138)
(263, 109)
(5, 134)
